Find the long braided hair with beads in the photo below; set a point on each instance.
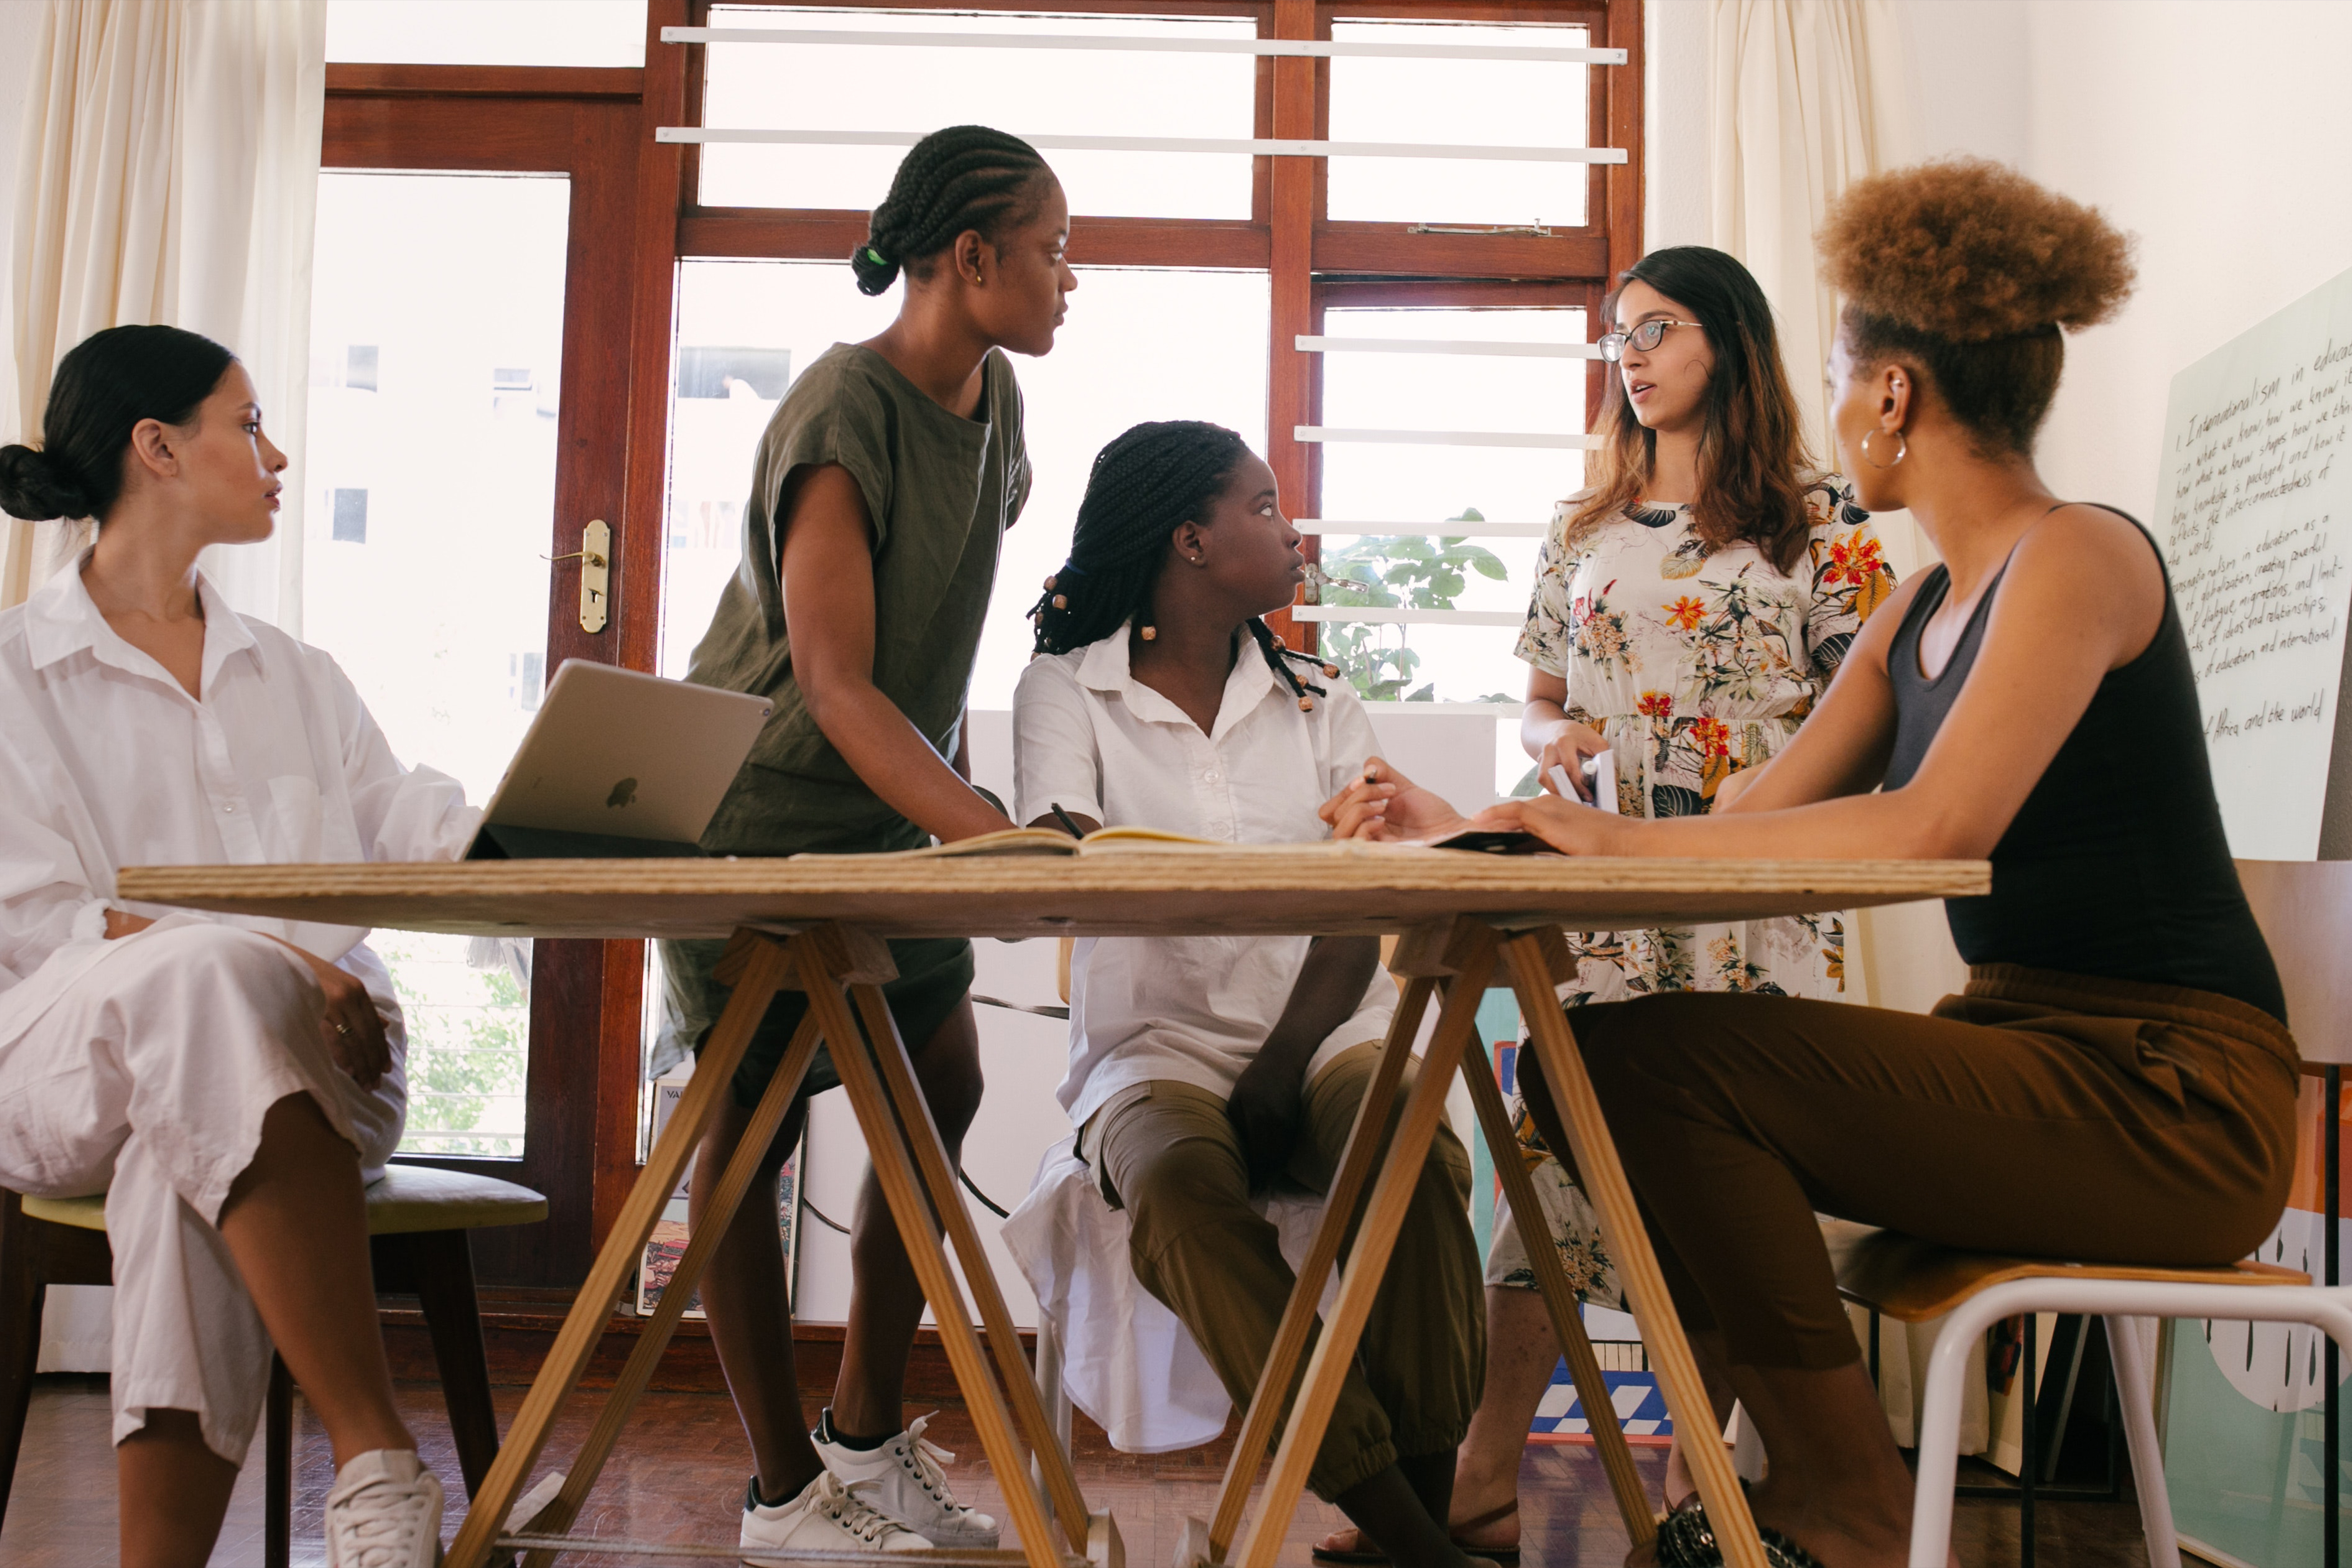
(1147, 481)
(965, 177)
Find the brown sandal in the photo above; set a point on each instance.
(1508, 1556)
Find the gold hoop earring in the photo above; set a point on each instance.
(1902, 448)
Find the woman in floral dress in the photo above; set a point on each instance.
(1689, 608)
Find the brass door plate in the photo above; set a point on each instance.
(596, 575)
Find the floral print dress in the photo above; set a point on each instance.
(1695, 663)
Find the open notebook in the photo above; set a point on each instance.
(1052, 841)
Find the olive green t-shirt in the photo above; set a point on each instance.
(940, 490)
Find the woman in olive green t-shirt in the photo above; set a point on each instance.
(880, 494)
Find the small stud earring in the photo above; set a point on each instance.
(1149, 632)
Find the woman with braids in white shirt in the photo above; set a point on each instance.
(228, 1083)
(1203, 1067)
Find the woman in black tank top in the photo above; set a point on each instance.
(2116, 1083)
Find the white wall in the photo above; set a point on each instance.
(2219, 131)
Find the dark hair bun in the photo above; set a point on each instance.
(1969, 250)
(36, 487)
(876, 272)
(964, 177)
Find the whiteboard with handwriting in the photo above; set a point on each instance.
(2256, 526)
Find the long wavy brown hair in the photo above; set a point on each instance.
(1752, 460)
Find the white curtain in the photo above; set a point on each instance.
(1806, 99)
(169, 173)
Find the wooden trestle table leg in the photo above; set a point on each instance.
(923, 1141)
(767, 1118)
(887, 1147)
(1559, 1296)
(1469, 952)
(1536, 958)
(765, 966)
(1298, 1315)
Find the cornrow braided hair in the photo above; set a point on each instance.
(1147, 481)
(965, 177)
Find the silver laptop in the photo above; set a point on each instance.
(619, 763)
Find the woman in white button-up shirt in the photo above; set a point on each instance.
(1203, 1067)
(225, 1081)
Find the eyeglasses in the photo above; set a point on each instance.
(1645, 337)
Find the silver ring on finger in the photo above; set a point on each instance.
(342, 1030)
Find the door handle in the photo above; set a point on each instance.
(595, 558)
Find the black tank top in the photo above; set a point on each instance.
(2116, 865)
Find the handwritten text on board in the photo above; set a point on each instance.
(2257, 534)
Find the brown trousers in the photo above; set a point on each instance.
(1167, 1152)
(2054, 1116)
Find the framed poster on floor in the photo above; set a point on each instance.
(667, 1243)
(2245, 1433)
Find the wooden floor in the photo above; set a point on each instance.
(680, 1471)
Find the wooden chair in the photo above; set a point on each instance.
(418, 1217)
(2305, 911)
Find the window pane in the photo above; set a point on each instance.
(854, 86)
(1486, 103)
(1138, 344)
(475, 32)
(1365, 483)
(434, 381)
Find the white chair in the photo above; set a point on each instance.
(2305, 909)
(1911, 1280)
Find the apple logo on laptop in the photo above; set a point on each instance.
(623, 793)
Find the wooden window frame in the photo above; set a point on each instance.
(579, 1116)
(581, 1128)
(1309, 258)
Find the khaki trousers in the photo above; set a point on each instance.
(2055, 1115)
(1166, 1153)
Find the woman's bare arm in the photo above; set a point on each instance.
(827, 561)
(1842, 747)
(2082, 595)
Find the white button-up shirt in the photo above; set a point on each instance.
(106, 761)
(1089, 737)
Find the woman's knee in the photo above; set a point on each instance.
(947, 1071)
(1446, 1173)
(1653, 1033)
(1177, 1187)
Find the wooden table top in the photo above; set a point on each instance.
(1129, 891)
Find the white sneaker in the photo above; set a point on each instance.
(385, 1513)
(824, 1517)
(907, 1481)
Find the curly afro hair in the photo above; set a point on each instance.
(1967, 269)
